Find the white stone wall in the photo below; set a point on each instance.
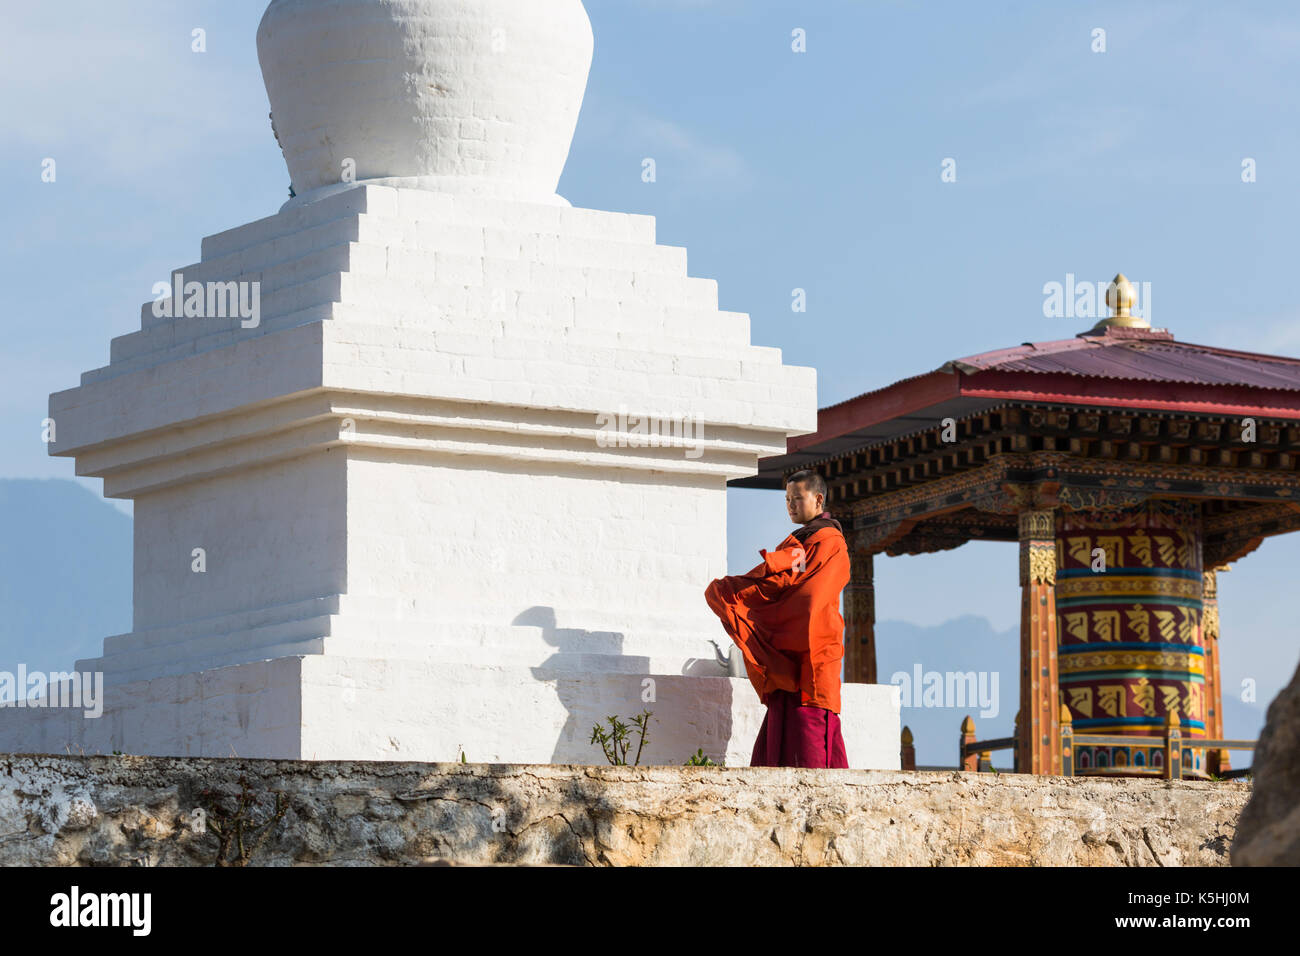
(591, 565)
(430, 711)
(270, 534)
(330, 707)
(250, 710)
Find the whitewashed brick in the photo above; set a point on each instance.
(418, 205)
(512, 274)
(499, 243)
(609, 284)
(449, 237)
(458, 270)
(407, 262)
(463, 344)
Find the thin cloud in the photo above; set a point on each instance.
(706, 163)
(83, 72)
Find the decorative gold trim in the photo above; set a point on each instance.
(1211, 585)
(1122, 586)
(1210, 608)
(1136, 660)
(1113, 472)
(1037, 547)
(1037, 525)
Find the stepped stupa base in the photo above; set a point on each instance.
(318, 707)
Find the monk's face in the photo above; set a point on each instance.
(801, 504)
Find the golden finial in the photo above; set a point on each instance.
(968, 725)
(1065, 715)
(1120, 298)
(907, 736)
(1120, 295)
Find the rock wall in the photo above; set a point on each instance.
(165, 811)
(1269, 832)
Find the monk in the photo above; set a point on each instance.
(784, 615)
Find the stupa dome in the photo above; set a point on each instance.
(462, 96)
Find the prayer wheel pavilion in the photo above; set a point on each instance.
(1129, 467)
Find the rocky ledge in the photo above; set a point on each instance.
(153, 811)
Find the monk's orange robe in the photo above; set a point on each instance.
(784, 615)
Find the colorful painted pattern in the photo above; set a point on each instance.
(1129, 616)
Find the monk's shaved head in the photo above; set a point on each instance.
(811, 480)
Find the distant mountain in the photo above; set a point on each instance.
(970, 644)
(965, 644)
(65, 573)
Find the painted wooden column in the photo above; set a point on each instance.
(1039, 748)
(1216, 760)
(860, 617)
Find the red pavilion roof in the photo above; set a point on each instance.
(1141, 355)
(1133, 368)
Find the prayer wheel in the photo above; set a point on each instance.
(1130, 607)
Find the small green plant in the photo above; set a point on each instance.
(462, 757)
(617, 741)
(698, 759)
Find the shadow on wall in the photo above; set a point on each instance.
(467, 814)
(686, 714)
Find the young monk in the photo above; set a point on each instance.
(784, 615)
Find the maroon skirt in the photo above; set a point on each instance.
(794, 735)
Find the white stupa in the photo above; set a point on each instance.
(389, 516)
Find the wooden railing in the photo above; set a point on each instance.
(1172, 742)
(976, 756)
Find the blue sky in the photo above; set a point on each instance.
(776, 170)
